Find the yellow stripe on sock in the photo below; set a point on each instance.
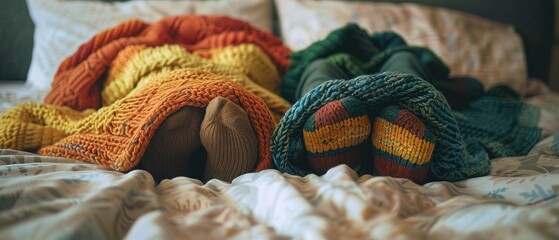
(398, 141)
(347, 133)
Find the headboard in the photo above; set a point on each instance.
(16, 39)
(533, 20)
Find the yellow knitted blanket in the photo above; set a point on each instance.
(244, 64)
(143, 86)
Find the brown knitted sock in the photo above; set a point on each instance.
(171, 150)
(229, 140)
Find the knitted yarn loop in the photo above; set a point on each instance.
(451, 161)
(116, 136)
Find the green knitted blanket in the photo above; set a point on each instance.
(465, 141)
(357, 53)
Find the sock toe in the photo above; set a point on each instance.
(336, 134)
(230, 142)
(171, 149)
(402, 145)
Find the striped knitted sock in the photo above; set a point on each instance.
(336, 134)
(402, 145)
(229, 140)
(170, 151)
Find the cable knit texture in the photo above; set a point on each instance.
(245, 64)
(79, 78)
(116, 136)
(108, 99)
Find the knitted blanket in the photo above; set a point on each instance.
(244, 64)
(117, 135)
(356, 52)
(465, 141)
(108, 98)
(79, 78)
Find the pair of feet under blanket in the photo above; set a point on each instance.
(464, 141)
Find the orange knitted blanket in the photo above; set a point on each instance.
(117, 136)
(79, 78)
(108, 98)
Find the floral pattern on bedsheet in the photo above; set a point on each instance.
(46, 197)
(57, 198)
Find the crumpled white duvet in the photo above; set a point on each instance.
(57, 198)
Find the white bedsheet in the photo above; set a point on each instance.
(58, 198)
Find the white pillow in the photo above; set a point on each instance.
(62, 26)
(469, 45)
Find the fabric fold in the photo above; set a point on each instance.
(357, 53)
(79, 78)
(244, 64)
(460, 152)
(116, 136)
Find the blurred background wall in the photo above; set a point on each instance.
(554, 76)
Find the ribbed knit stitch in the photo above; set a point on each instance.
(237, 63)
(79, 78)
(118, 66)
(457, 154)
(249, 59)
(36, 136)
(116, 136)
(336, 134)
(402, 145)
(501, 127)
(229, 140)
(171, 151)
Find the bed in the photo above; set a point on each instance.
(53, 195)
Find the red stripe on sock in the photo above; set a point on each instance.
(410, 121)
(392, 168)
(320, 165)
(330, 113)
